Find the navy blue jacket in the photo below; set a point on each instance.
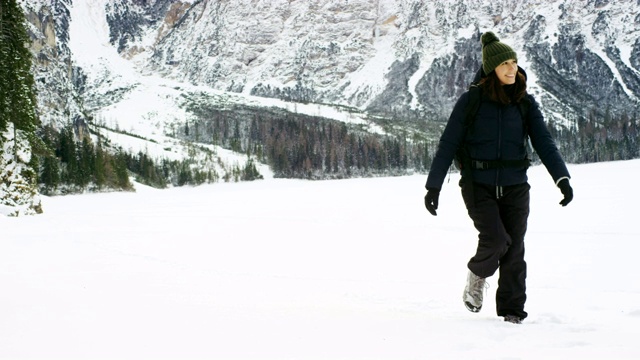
(498, 133)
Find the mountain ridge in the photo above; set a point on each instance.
(396, 65)
(269, 53)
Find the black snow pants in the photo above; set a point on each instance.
(500, 215)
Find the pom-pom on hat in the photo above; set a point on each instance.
(494, 52)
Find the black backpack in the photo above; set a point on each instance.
(462, 158)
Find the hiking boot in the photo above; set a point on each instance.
(513, 319)
(474, 292)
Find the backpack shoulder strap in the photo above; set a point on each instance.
(475, 95)
(524, 105)
(462, 159)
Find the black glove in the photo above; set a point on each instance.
(431, 200)
(567, 191)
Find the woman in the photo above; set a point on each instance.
(494, 182)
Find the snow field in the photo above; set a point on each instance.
(291, 269)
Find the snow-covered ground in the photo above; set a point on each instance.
(291, 269)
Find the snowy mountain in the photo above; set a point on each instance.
(155, 68)
(396, 57)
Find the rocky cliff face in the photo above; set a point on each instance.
(57, 79)
(404, 58)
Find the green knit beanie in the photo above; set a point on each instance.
(494, 52)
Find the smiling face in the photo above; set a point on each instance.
(507, 71)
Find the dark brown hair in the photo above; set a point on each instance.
(493, 88)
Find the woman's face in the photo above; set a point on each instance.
(507, 71)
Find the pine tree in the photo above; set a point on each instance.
(17, 114)
(17, 94)
(122, 174)
(50, 175)
(99, 173)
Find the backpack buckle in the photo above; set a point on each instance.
(480, 165)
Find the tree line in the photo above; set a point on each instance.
(75, 166)
(597, 138)
(309, 147)
(294, 146)
(78, 165)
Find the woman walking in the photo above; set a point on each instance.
(487, 131)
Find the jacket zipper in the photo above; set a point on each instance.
(499, 150)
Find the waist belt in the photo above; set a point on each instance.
(499, 164)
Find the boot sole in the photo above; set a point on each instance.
(470, 307)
